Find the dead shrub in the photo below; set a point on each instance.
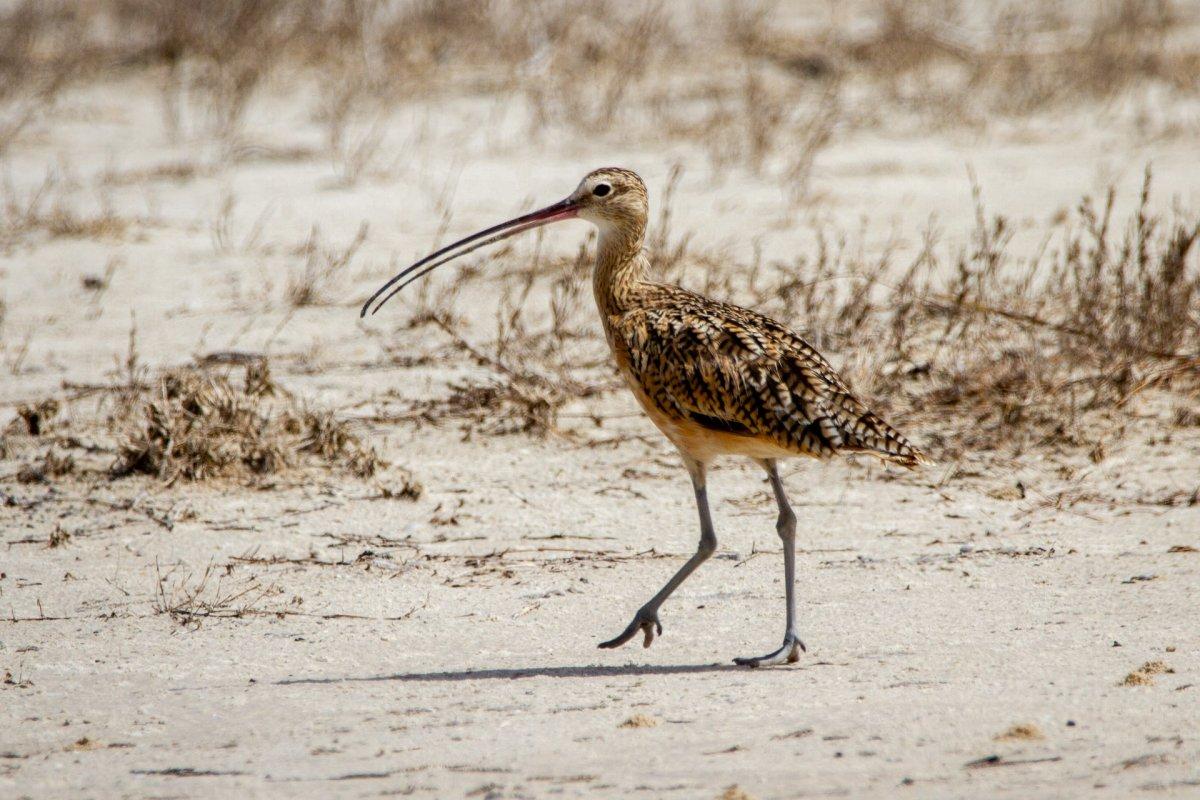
(502, 407)
(1021, 352)
(1000, 352)
(195, 425)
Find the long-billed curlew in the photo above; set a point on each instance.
(716, 379)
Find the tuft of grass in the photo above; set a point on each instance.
(498, 407)
(65, 222)
(48, 208)
(640, 721)
(322, 264)
(1023, 732)
(735, 792)
(189, 601)
(195, 425)
(1144, 675)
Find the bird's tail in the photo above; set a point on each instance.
(866, 432)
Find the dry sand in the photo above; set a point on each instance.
(446, 647)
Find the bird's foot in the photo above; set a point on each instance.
(646, 621)
(789, 653)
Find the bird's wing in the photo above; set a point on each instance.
(731, 369)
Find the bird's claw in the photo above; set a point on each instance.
(788, 653)
(646, 622)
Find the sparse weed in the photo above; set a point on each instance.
(225, 239)
(213, 594)
(322, 264)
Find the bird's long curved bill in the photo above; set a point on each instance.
(564, 209)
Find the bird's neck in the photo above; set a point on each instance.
(620, 268)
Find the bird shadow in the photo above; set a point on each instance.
(595, 671)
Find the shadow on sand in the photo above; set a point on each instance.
(527, 672)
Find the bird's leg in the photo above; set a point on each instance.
(789, 652)
(646, 619)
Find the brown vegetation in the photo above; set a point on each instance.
(322, 265)
(1144, 675)
(1023, 732)
(196, 425)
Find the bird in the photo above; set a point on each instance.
(715, 378)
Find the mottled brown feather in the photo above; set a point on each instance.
(738, 372)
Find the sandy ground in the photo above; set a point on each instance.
(962, 641)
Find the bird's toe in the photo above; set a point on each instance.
(646, 622)
(788, 653)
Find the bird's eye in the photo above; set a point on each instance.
(601, 189)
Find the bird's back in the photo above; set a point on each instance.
(725, 379)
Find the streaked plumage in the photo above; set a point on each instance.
(716, 379)
(733, 371)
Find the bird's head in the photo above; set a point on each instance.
(612, 199)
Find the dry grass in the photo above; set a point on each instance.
(502, 407)
(48, 208)
(216, 54)
(735, 792)
(1020, 60)
(195, 425)
(1023, 351)
(517, 399)
(1144, 675)
(214, 594)
(641, 721)
(535, 358)
(322, 265)
(1024, 733)
(36, 61)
